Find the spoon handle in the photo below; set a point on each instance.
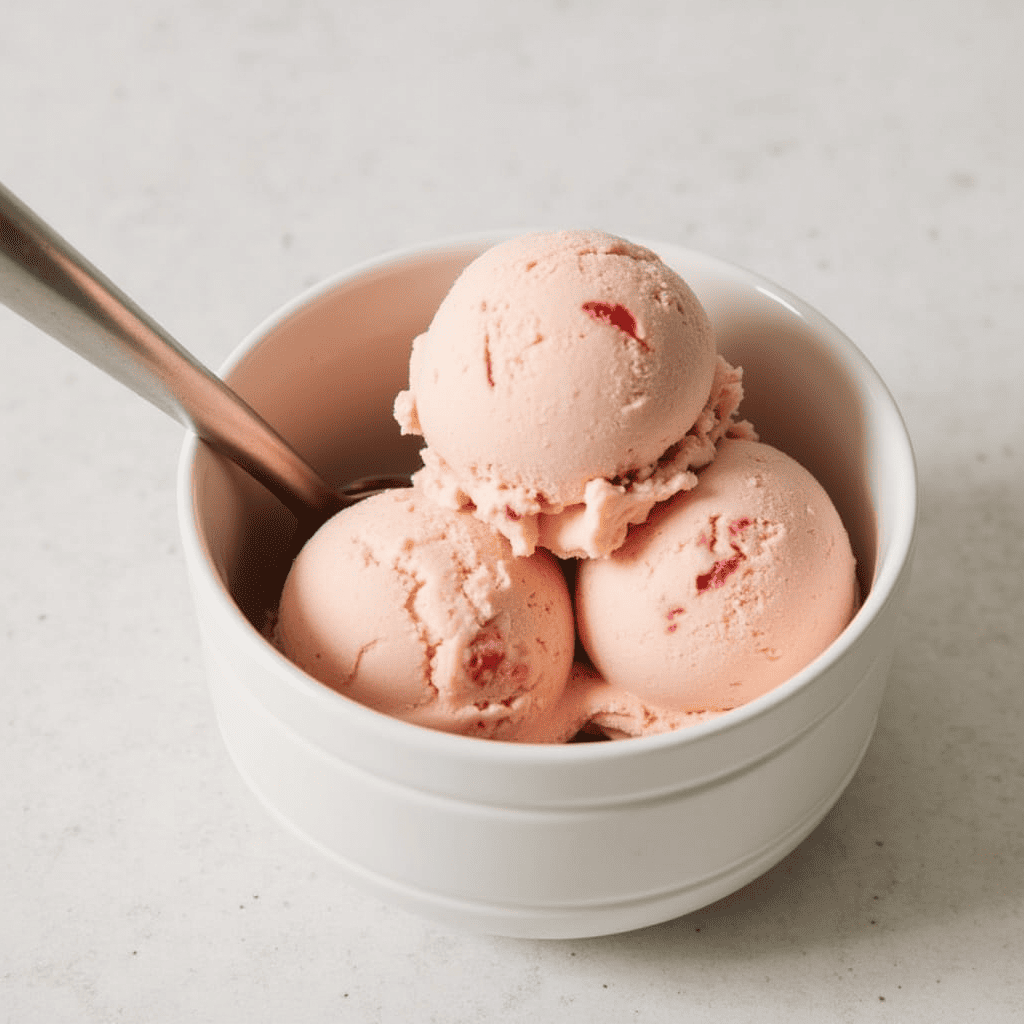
(43, 279)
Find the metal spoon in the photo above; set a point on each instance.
(44, 279)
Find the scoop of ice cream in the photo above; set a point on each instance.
(567, 383)
(423, 613)
(724, 593)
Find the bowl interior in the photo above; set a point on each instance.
(326, 370)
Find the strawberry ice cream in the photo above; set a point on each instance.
(724, 593)
(567, 383)
(424, 614)
(573, 403)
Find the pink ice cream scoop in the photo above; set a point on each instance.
(567, 383)
(424, 614)
(724, 593)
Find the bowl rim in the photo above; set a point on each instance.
(892, 564)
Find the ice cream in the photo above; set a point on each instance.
(568, 382)
(725, 592)
(423, 613)
(572, 402)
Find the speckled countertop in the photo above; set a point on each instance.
(215, 159)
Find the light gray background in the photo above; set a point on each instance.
(217, 158)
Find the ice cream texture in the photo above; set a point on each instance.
(567, 383)
(573, 404)
(424, 614)
(725, 592)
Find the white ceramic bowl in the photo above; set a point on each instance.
(567, 841)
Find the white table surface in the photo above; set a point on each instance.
(217, 158)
